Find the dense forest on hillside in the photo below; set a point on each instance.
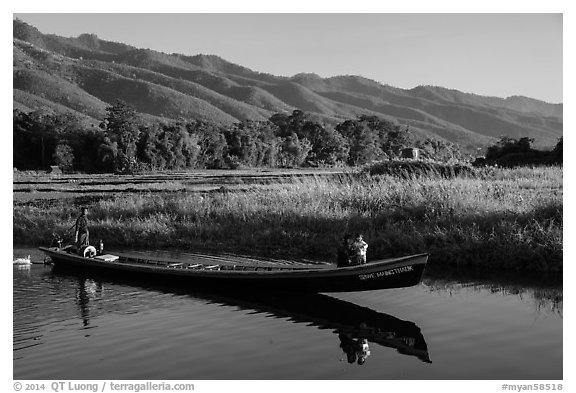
(82, 76)
(127, 142)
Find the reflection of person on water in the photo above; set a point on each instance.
(82, 235)
(364, 351)
(356, 349)
(87, 289)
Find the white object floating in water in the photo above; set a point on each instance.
(22, 261)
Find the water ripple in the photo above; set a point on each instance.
(84, 327)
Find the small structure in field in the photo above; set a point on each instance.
(479, 161)
(55, 170)
(410, 152)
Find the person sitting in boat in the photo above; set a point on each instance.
(82, 235)
(359, 248)
(345, 252)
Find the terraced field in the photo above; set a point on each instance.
(30, 188)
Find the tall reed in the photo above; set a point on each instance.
(509, 220)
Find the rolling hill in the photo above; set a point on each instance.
(85, 74)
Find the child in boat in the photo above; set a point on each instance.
(359, 248)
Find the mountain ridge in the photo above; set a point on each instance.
(85, 73)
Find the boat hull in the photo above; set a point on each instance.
(385, 274)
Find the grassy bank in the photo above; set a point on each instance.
(493, 219)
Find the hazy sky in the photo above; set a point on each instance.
(487, 54)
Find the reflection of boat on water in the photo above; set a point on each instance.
(346, 319)
(223, 271)
(350, 322)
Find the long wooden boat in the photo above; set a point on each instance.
(215, 271)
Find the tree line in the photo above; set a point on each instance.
(125, 142)
(511, 152)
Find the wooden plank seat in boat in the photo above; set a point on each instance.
(107, 257)
(173, 264)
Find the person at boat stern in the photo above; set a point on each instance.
(359, 248)
(82, 235)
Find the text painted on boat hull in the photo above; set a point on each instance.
(391, 272)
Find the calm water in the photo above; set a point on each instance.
(92, 327)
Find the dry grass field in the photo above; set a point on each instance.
(491, 219)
